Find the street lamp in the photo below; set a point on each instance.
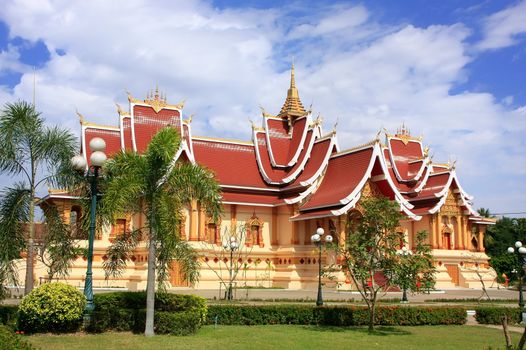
(520, 253)
(231, 246)
(98, 158)
(318, 242)
(404, 252)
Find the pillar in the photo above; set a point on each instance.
(274, 239)
(194, 221)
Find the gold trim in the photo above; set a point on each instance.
(120, 111)
(206, 138)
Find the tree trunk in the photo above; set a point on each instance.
(506, 331)
(372, 307)
(29, 282)
(522, 341)
(150, 286)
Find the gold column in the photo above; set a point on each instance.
(481, 238)
(274, 233)
(342, 225)
(294, 226)
(194, 221)
(459, 236)
(201, 224)
(434, 224)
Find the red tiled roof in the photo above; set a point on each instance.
(401, 154)
(321, 213)
(147, 123)
(319, 152)
(111, 137)
(343, 175)
(127, 133)
(298, 131)
(261, 199)
(234, 164)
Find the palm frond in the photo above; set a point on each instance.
(189, 181)
(119, 252)
(14, 214)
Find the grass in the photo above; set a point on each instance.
(289, 337)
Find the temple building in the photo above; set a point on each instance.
(290, 179)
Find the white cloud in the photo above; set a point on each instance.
(226, 63)
(502, 28)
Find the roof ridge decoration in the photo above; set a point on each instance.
(156, 100)
(121, 112)
(292, 105)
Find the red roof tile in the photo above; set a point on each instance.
(343, 175)
(147, 123)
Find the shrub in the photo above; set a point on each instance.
(52, 307)
(333, 315)
(124, 311)
(493, 315)
(174, 323)
(11, 341)
(9, 315)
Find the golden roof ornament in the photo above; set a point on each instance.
(404, 134)
(292, 105)
(81, 117)
(265, 114)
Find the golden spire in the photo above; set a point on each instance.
(292, 105)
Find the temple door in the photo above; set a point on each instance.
(446, 240)
(176, 277)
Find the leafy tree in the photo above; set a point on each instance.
(28, 148)
(154, 186)
(370, 250)
(484, 212)
(498, 238)
(415, 270)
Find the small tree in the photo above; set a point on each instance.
(223, 258)
(370, 250)
(415, 270)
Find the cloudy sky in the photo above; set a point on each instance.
(453, 71)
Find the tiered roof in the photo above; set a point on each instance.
(291, 162)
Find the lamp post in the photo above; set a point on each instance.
(520, 253)
(231, 246)
(98, 158)
(318, 242)
(404, 252)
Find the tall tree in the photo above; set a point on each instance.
(154, 186)
(370, 253)
(38, 154)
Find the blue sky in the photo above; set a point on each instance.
(453, 71)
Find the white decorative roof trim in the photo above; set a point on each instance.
(323, 164)
(260, 163)
(439, 205)
(398, 196)
(132, 124)
(358, 189)
(395, 168)
(424, 180)
(296, 217)
(348, 206)
(445, 189)
(300, 168)
(218, 140)
(302, 142)
(251, 188)
(269, 146)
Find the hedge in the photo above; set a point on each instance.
(493, 315)
(333, 315)
(124, 311)
(11, 341)
(9, 315)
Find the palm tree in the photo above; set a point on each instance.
(484, 212)
(155, 186)
(28, 149)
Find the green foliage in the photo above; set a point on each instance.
(11, 341)
(498, 238)
(333, 315)
(52, 307)
(415, 270)
(174, 323)
(371, 248)
(28, 148)
(494, 315)
(9, 315)
(124, 311)
(156, 186)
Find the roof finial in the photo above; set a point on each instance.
(292, 78)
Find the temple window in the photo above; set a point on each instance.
(254, 227)
(446, 240)
(74, 222)
(212, 233)
(118, 229)
(474, 244)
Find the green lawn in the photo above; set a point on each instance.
(289, 337)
